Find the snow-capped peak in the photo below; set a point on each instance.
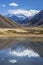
(27, 13)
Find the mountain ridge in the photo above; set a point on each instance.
(7, 23)
(37, 20)
(22, 16)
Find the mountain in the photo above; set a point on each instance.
(7, 23)
(37, 20)
(20, 19)
(22, 16)
(28, 21)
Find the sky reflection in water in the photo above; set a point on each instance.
(20, 55)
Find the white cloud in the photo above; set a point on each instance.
(26, 52)
(13, 4)
(24, 12)
(12, 61)
(2, 5)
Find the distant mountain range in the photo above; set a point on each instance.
(34, 20)
(22, 17)
(11, 21)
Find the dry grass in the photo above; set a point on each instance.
(21, 32)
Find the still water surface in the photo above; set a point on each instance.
(22, 52)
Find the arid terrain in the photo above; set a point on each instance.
(21, 32)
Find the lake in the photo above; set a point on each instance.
(21, 51)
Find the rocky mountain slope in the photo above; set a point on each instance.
(7, 23)
(37, 20)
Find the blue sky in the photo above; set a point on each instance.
(6, 5)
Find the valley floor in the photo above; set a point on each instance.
(21, 32)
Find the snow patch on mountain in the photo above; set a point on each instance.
(27, 13)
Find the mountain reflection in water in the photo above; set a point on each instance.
(21, 52)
